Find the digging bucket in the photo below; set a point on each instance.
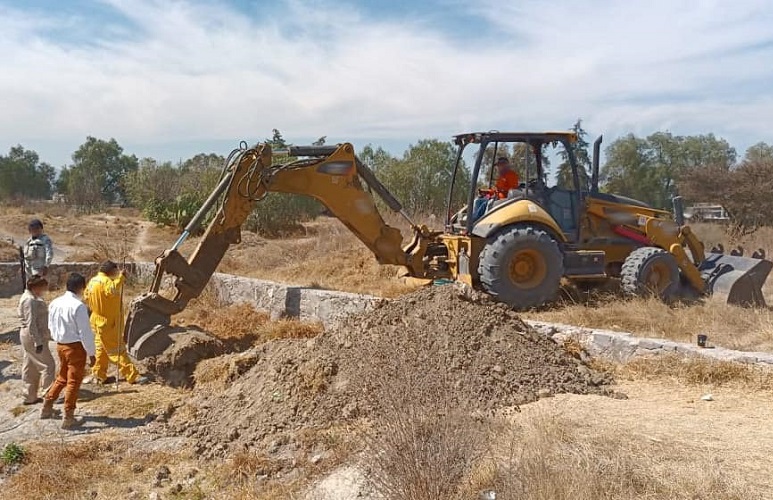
(147, 328)
(735, 279)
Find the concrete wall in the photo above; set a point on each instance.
(328, 307)
(289, 301)
(622, 346)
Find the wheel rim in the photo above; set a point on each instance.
(658, 278)
(528, 268)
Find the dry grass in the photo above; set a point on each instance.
(696, 371)
(132, 402)
(727, 326)
(437, 451)
(546, 457)
(9, 252)
(241, 326)
(60, 470)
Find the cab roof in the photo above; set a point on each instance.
(529, 137)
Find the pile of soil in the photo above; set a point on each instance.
(439, 347)
(175, 365)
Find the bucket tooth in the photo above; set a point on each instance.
(759, 254)
(737, 252)
(718, 249)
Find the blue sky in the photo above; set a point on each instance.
(169, 79)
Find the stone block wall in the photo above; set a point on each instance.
(329, 307)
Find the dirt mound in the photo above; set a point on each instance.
(175, 366)
(435, 347)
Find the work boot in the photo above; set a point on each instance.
(69, 421)
(48, 410)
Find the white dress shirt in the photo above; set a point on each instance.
(68, 321)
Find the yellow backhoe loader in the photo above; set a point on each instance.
(518, 250)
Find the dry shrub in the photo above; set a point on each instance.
(424, 453)
(546, 457)
(422, 447)
(698, 371)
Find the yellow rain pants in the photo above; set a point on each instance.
(103, 297)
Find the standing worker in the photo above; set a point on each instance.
(38, 250)
(103, 296)
(34, 337)
(68, 321)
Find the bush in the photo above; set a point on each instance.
(13, 454)
(280, 214)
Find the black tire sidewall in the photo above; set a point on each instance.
(638, 265)
(498, 254)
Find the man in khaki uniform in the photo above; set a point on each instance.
(34, 336)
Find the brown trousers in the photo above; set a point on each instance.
(72, 366)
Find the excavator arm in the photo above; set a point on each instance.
(331, 174)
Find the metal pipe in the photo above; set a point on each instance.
(678, 210)
(196, 221)
(594, 183)
(310, 150)
(474, 186)
(450, 197)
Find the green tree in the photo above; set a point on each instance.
(24, 176)
(97, 174)
(564, 177)
(279, 214)
(628, 169)
(421, 178)
(377, 159)
(648, 168)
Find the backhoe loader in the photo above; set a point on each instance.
(518, 251)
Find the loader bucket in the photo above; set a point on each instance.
(147, 328)
(735, 279)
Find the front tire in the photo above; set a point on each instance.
(650, 271)
(522, 266)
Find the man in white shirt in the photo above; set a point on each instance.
(68, 321)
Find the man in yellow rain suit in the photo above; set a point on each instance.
(103, 297)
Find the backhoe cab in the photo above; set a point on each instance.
(518, 250)
(523, 245)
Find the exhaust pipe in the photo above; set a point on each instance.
(678, 210)
(594, 183)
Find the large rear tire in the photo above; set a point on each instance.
(522, 266)
(650, 271)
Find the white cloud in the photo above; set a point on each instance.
(192, 72)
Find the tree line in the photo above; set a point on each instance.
(652, 169)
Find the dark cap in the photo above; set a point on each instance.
(35, 223)
(502, 160)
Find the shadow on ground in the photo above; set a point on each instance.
(3, 377)
(10, 337)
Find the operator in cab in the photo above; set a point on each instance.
(507, 179)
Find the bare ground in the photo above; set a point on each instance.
(663, 433)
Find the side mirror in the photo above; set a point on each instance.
(594, 182)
